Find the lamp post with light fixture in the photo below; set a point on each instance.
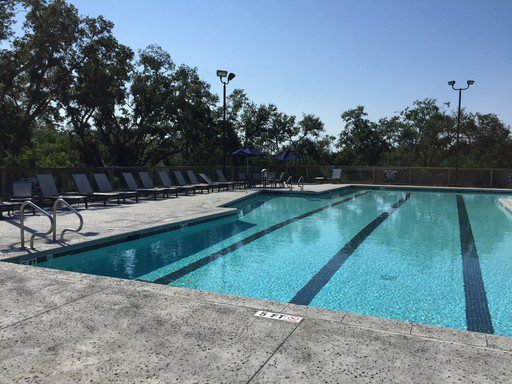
(228, 76)
(452, 84)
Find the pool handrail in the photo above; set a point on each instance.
(73, 210)
(22, 223)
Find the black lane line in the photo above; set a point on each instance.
(245, 209)
(478, 318)
(318, 281)
(167, 279)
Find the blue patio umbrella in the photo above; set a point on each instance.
(248, 152)
(287, 155)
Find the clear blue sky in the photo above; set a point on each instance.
(323, 57)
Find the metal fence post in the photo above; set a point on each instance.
(4, 183)
(410, 175)
(110, 176)
(64, 178)
(492, 176)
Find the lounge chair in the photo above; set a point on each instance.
(213, 184)
(256, 179)
(166, 182)
(222, 179)
(193, 178)
(182, 182)
(132, 185)
(336, 175)
(281, 180)
(50, 192)
(148, 183)
(270, 178)
(21, 192)
(84, 187)
(105, 186)
(243, 179)
(9, 207)
(194, 181)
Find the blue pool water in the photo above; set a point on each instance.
(428, 257)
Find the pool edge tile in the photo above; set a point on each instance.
(476, 339)
(315, 312)
(223, 298)
(499, 342)
(378, 323)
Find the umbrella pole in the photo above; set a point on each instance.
(247, 166)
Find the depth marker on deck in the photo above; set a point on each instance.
(279, 316)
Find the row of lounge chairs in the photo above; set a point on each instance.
(86, 193)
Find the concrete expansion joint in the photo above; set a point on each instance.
(275, 351)
(96, 291)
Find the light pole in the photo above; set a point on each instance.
(224, 75)
(452, 84)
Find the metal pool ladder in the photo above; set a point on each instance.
(70, 207)
(22, 223)
(300, 183)
(52, 218)
(289, 183)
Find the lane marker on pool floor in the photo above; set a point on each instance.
(169, 278)
(322, 277)
(478, 317)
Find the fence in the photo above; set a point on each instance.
(430, 176)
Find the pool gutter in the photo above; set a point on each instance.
(390, 187)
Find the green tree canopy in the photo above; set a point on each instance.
(72, 94)
(361, 141)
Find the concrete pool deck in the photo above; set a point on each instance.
(58, 326)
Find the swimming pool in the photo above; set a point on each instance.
(437, 258)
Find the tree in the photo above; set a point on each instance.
(271, 130)
(7, 8)
(361, 141)
(93, 83)
(71, 93)
(168, 113)
(30, 72)
(486, 142)
(425, 131)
